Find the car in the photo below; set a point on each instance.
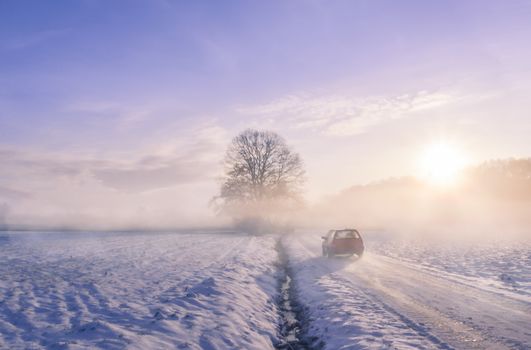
(346, 242)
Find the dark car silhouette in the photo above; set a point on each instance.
(343, 242)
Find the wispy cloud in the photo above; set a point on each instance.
(144, 172)
(343, 115)
(125, 115)
(32, 39)
(10, 193)
(42, 186)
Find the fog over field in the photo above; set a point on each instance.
(491, 202)
(490, 199)
(87, 143)
(301, 174)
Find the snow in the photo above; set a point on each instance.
(137, 291)
(500, 266)
(344, 315)
(215, 290)
(404, 299)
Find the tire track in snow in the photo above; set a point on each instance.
(420, 322)
(457, 314)
(449, 309)
(441, 274)
(343, 315)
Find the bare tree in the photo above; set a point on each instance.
(261, 171)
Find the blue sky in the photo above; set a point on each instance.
(95, 91)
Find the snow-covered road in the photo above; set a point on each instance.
(379, 301)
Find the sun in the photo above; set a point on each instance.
(442, 163)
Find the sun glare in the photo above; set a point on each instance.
(441, 164)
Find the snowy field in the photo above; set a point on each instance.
(213, 290)
(141, 291)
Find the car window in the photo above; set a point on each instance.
(345, 234)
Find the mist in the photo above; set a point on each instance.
(491, 201)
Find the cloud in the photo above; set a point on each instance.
(138, 188)
(303, 108)
(126, 115)
(36, 164)
(375, 111)
(32, 39)
(142, 173)
(152, 173)
(342, 115)
(9, 193)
